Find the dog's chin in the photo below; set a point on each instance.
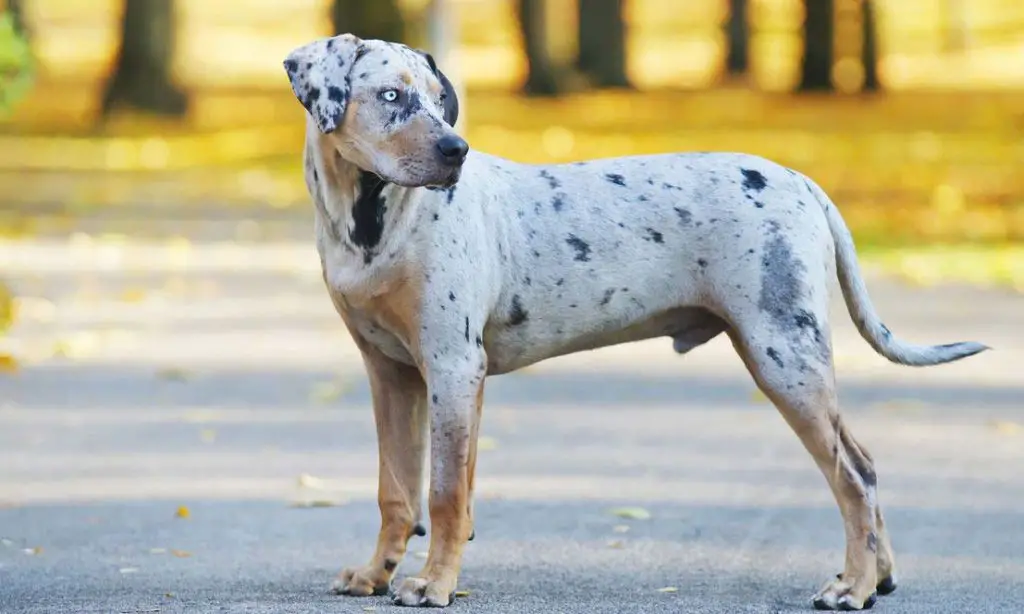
(445, 178)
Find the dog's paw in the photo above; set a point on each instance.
(840, 595)
(421, 592)
(361, 582)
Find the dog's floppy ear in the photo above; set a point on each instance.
(451, 100)
(318, 72)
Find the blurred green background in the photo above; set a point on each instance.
(909, 112)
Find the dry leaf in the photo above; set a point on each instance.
(181, 554)
(127, 570)
(309, 481)
(8, 363)
(33, 551)
(1007, 428)
(616, 544)
(173, 374)
(668, 589)
(632, 513)
(133, 295)
(486, 443)
(462, 593)
(158, 550)
(325, 392)
(182, 512)
(369, 608)
(316, 503)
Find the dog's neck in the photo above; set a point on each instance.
(356, 208)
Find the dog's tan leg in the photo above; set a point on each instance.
(400, 411)
(796, 373)
(455, 402)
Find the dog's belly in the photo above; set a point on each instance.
(512, 348)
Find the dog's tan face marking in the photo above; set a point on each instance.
(382, 105)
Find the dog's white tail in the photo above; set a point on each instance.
(855, 293)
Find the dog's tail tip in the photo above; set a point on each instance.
(938, 354)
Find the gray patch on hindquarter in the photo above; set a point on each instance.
(783, 298)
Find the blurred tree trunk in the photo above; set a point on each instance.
(869, 52)
(816, 66)
(142, 74)
(739, 37)
(543, 77)
(17, 16)
(371, 19)
(602, 42)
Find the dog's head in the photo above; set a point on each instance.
(384, 107)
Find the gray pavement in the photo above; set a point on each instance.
(165, 373)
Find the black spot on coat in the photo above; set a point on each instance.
(753, 180)
(517, 315)
(616, 179)
(582, 248)
(654, 235)
(368, 214)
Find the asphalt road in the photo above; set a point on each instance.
(212, 376)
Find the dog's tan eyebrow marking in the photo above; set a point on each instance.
(406, 77)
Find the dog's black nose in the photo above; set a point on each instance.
(452, 148)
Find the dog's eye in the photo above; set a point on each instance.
(389, 95)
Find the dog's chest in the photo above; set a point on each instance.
(378, 308)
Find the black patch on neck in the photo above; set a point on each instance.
(368, 214)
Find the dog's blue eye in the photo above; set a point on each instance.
(389, 95)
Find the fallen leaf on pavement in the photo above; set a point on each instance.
(127, 570)
(325, 392)
(158, 550)
(133, 295)
(172, 374)
(8, 363)
(182, 512)
(1007, 428)
(181, 554)
(668, 589)
(462, 593)
(309, 481)
(484, 444)
(33, 551)
(317, 503)
(616, 544)
(632, 513)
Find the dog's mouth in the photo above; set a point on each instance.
(448, 181)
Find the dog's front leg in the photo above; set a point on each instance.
(400, 411)
(455, 399)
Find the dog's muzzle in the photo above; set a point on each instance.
(452, 149)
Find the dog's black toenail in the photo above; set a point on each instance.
(380, 591)
(887, 586)
(472, 534)
(821, 604)
(419, 530)
(870, 602)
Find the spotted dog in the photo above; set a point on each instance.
(447, 266)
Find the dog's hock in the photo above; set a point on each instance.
(318, 74)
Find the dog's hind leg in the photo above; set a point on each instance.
(789, 354)
(400, 411)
